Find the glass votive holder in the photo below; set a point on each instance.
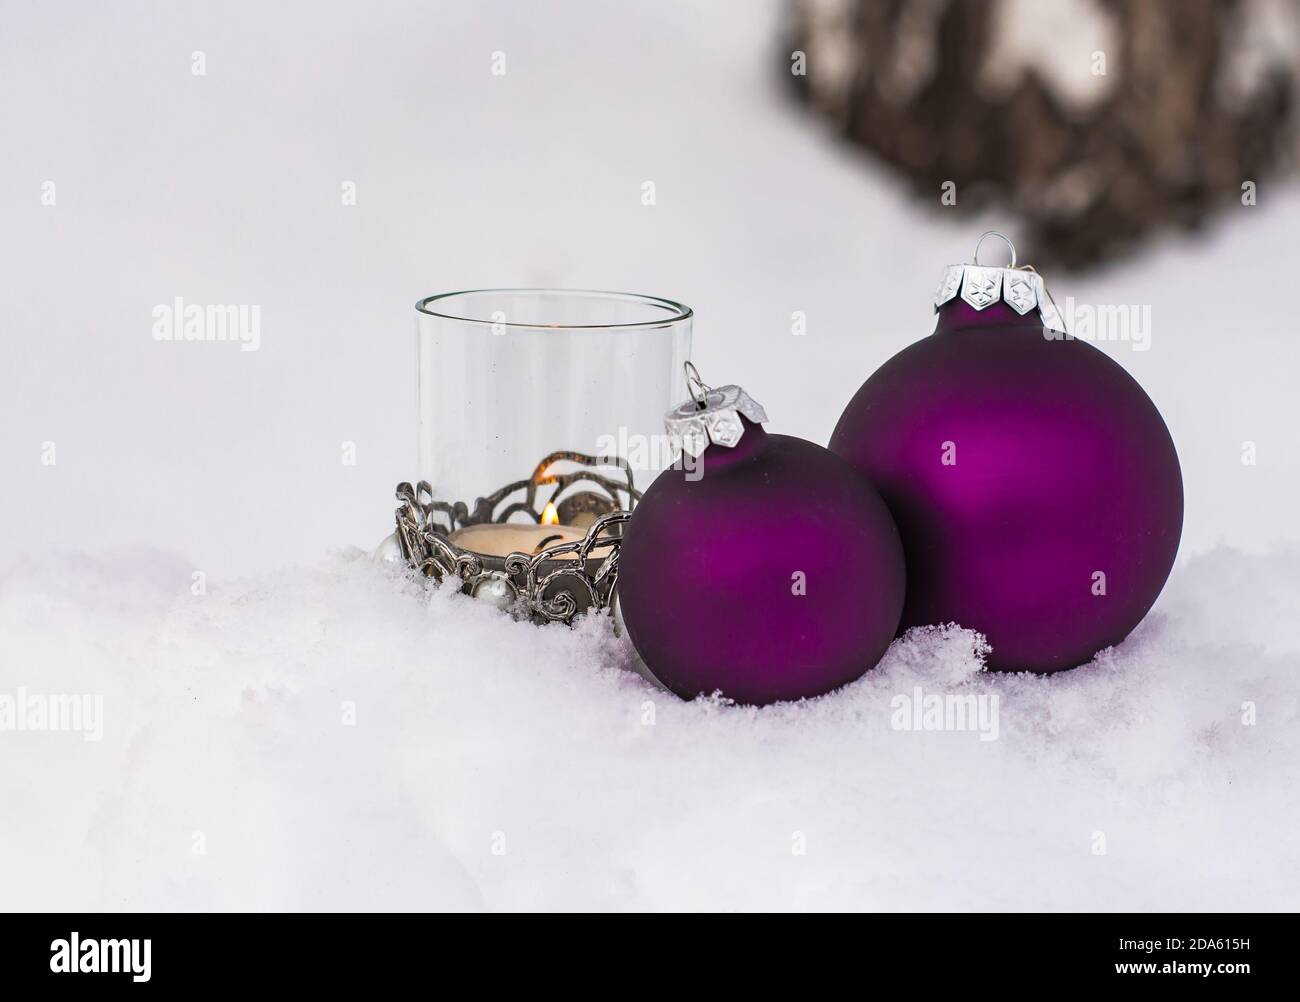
(540, 424)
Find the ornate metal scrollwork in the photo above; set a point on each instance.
(557, 583)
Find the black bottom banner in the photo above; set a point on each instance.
(374, 951)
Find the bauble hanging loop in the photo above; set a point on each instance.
(980, 286)
(699, 389)
(710, 416)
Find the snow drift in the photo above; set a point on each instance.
(342, 737)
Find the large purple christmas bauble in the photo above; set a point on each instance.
(1035, 484)
(766, 568)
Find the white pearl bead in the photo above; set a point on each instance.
(495, 590)
(388, 552)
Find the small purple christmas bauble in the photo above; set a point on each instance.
(763, 566)
(1035, 484)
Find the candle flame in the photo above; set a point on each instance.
(549, 515)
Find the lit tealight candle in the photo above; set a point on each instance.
(500, 539)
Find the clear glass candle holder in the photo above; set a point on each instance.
(508, 377)
(540, 424)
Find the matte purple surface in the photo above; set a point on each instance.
(707, 573)
(1064, 468)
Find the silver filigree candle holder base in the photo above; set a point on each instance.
(554, 584)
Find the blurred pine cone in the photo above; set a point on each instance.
(1094, 121)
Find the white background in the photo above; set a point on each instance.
(226, 189)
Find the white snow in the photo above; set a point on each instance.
(494, 764)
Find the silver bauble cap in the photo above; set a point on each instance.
(710, 416)
(981, 286)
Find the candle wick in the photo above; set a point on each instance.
(546, 541)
